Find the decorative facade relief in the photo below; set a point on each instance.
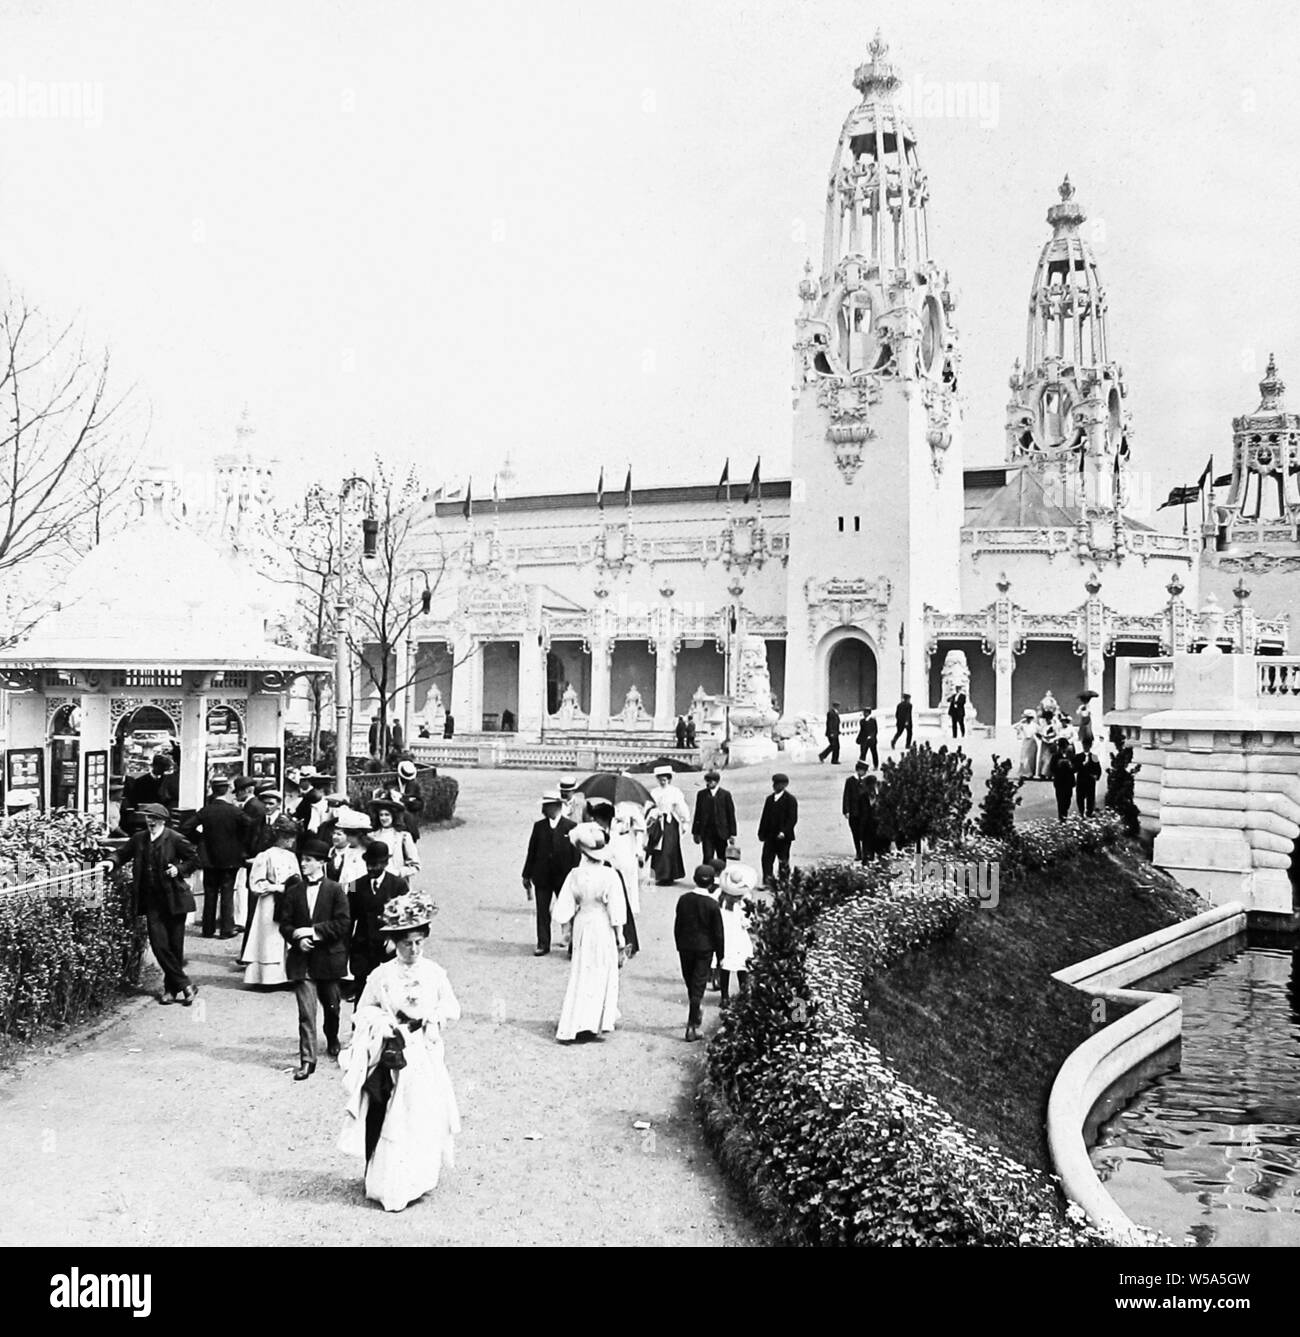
(847, 602)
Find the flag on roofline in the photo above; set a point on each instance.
(724, 483)
(755, 488)
(468, 509)
(600, 490)
(1181, 496)
(627, 487)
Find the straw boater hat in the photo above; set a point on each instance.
(551, 797)
(406, 769)
(663, 770)
(404, 913)
(568, 782)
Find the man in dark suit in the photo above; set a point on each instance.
(313, 919)
(1087, 771)
(246, 798)
(902, 721)
(868, 734)
(698, 933)
(367, 897)
(776, 826)
(852, 807)
(550, 857)
(715, 818)
(161, 861)
(832, 748)
(224, 833)
(957, 712)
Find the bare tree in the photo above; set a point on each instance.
(394, 589)
(63, 452)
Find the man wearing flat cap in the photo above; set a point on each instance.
(314, 922)
(776, 827)
(224, 835)
(550, 857)
(715, 818)
(161, 861)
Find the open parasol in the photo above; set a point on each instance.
(615, 788)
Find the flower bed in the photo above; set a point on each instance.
(827, 1141)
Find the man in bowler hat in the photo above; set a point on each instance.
(715, 818)
(550, 857)
(224, 833)
(776, 827)
(314, 921)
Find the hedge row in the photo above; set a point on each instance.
(440, 792)
(829, 1144)
(63, 958)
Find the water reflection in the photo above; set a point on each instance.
(1210, 1153)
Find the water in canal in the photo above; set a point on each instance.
(1209, 1153)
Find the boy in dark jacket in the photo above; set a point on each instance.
(697, 932)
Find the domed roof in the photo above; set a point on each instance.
(157, 594)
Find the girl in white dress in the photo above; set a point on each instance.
(264, 953)
(592, 897)
(738, 882)
(401, 1111)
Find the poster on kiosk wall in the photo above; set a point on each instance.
(24, 779)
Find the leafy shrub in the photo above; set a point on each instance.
(440, 795)
(32, 842)
(924, 795)
(62, 958)
(1001, 799)
(1119, 788)
(828, 1143)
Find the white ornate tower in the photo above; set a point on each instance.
(1066, 419)
(876, 504)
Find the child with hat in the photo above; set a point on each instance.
(698, 934)
(734, 890)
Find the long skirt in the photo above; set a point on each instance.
(667, 863)
(591, 1000)
(1029, 759)
(265, 951)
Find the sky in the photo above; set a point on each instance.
(570, 234)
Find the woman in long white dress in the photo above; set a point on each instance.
(264, 953)
(592, 898)
(667, 808)
(401, 1113)
(1027, 731)
(403, 857)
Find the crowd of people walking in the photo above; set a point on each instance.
(1062, 749)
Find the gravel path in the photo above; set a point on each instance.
(183, 1127)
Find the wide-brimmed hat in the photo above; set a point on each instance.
(404, 913)
(589, 837)
(153, 810)
(349, 819)
(738, 879)
(406, 769)
(387, 805)
(26, 799)
(663, 770)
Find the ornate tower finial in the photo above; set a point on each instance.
(876, 76)
(244, 429)
(1271, 388)
(1066, 216)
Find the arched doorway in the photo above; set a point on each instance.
(851, 675)
(140, 734)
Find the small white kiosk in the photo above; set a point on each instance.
(157, 640)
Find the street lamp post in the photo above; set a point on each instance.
(412, 652)
(342, 683)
